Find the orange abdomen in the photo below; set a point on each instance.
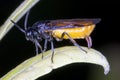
(75, 33)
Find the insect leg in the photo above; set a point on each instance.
(73, 41)
(45, 45)
(52, 48)
(38, 45)
(89, 41)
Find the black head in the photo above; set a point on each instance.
(31, 33)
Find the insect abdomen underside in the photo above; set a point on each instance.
(75, 33)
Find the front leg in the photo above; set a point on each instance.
(38, 45)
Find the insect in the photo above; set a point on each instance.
(59, 29)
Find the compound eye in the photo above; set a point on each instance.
(28, 35)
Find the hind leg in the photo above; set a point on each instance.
(73, 41)
(89, 41)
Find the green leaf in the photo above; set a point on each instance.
(16, 16)
(36, 66)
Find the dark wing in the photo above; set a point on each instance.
(71, 23)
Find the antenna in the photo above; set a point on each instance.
(18, 27)
(26, 20)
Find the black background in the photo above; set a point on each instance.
(105, 36)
